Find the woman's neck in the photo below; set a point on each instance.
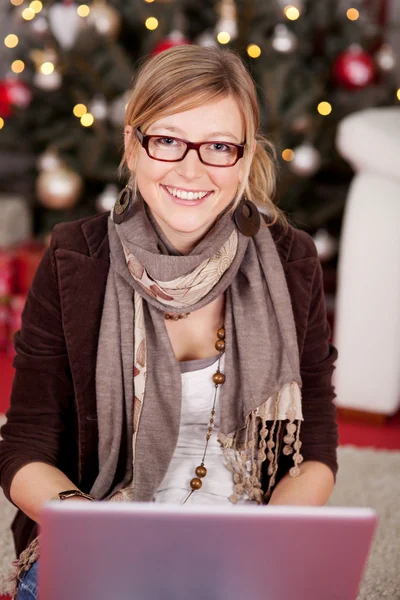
(182, 241)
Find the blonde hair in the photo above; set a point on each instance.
(186, 77)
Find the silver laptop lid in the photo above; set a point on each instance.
(103, 551)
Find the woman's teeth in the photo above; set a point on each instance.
(186, 195)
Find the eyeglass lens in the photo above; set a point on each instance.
(218, 154)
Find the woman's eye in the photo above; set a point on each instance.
(220, 147)
(165, 141)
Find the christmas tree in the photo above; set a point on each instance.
(70, 67)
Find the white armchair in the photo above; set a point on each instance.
(367, 329)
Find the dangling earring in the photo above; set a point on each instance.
(247, 217)
(123, 205)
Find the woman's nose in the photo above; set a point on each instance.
(191, 166)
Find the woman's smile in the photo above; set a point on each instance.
(186, 197)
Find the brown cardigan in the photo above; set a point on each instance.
(52, 417)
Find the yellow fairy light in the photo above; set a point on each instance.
(36, 6)
(288, 155)
(324, 108)
(151, 23)
(80, 110)
(17, 2)
(149, 1)
(223, 37)
(398, 94)
(253, 51)
(11, 40)
(352, 14)
(28, 14)
(87, 119)
(291, 12)
(17, 66)
(83, 10)
(1, 123)
(47, 68)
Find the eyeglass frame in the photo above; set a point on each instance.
(144, 141)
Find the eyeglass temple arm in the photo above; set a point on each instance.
(139, 135)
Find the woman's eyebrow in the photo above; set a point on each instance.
(213, 134)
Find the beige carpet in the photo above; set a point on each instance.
(366, 478)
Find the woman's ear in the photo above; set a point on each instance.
(128, 133)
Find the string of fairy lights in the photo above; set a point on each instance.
(226, 31)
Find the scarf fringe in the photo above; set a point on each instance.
(23, 564)
(245, 459)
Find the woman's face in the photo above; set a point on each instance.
(184, 221)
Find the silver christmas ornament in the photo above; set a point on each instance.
(283, 40)
(206, 39)
(98, 107)
(49, 160)
(49, 82)
(39, 25)
(326, 245)
(385, 58)
(64, 23)
(296, 3)
(117, 109)
(306, 160)
(106, 200)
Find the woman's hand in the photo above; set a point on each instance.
(312, 487)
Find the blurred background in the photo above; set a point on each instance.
(65, 73)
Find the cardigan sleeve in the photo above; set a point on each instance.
(319, 429)
(42, 387)
(319, 434)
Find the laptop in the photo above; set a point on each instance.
(150, 551)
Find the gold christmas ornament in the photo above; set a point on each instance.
(104, 18)
(58, 187)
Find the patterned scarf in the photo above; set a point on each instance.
(138, 380)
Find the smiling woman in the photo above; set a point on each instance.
(203, 96)
(203, 374)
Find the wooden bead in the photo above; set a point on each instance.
(196, 483)
(221, 333)
(218, 378)
(201, 471)
(220, 345)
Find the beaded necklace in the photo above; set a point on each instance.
(218, 379)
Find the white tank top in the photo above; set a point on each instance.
(197, 400)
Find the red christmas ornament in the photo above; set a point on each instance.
(176, 38)
(13, 93)
(5, 104)
(354, 68)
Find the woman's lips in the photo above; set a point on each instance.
(183, 201)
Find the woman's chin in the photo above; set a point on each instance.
(187, 227)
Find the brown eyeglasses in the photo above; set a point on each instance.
(172, 149)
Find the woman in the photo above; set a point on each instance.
(177, 351)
